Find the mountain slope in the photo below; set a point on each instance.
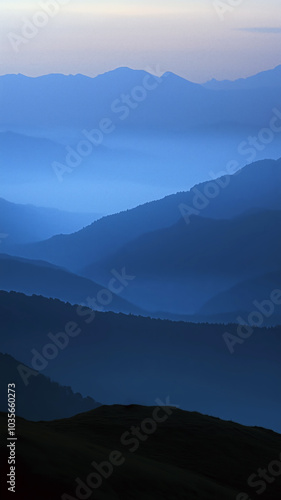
(27, 223)
(179, 268)
(256, 186)
(68, 98)
(42, 278)
(144, 153)
(244, 296)
(127, 359)
(188, 456)
(37, 397)
(270, 79)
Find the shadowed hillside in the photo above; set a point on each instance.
(180, 268)
(27, 223)
(257, 186)
(42, 278)
(37, 397)
(117, 358)
(189, 456)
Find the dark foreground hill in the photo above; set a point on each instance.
(188, 456)
(37, 397)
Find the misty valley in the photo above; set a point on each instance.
(140, 285)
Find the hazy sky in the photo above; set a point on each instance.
(188, 37)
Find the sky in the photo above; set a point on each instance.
(196, 39)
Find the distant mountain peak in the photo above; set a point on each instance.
(270, 78)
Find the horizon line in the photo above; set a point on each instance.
(137, 70)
